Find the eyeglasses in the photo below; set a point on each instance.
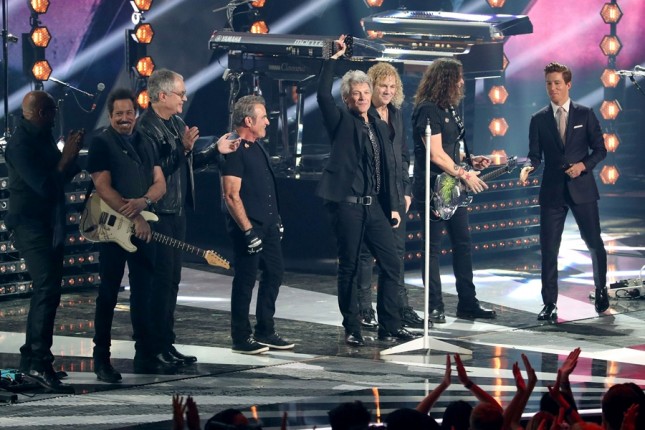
(181, 94)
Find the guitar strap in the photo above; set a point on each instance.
(462, 134)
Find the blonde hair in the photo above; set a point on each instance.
(379, 72)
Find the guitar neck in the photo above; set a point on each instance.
(494, 174)
(167, 240)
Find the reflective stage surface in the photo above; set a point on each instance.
(322, 371)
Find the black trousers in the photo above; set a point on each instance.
(166, 278)
(367, 267)
(551, 227)
(112, 259)
(462, 263)
(270, 263)
(353, 224)
(45, 266)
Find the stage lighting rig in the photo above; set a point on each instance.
(34, 63)
(140, 64)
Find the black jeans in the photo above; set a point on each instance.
(45, 266)
(269, 261)
(166, 279)
(367, 267)
(353, 224)
(112, 259)
(462, 263)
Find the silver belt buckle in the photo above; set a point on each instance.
(367, 200)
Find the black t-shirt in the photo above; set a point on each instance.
(441, 122)
(129, 159)
(258, 191)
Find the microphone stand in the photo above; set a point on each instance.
(71, 87)
(426, 342)
(6, 38)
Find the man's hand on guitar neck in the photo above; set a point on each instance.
(473, 183)
(142, 229)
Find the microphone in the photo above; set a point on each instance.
(639, 68)
(99, 89)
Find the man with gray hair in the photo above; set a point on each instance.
(254, 225)
(359, 186)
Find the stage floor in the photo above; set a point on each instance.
(322, 371)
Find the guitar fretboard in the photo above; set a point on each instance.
(167, 240)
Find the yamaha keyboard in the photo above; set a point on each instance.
(292, 45)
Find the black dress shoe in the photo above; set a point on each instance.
(476, 311)
(48, 379)
(106, 373)
(157, 364)
(171, 359)
(186, 359)
(437, 316)
(400, 334)
(367, 318)
(354, 339)
(601, 300)
(549, 312)
(409, 318)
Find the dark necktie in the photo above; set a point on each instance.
(377, 155)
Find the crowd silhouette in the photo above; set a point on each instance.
(621, 405)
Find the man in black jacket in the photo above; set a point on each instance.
(360, 189)
(127, 177)
(173, 143)
(37, 175)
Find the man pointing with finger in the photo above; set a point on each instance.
(254, 225)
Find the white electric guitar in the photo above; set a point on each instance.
(100, 223)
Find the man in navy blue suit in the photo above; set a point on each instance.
(569, 138)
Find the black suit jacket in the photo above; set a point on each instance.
(584, 143)
(345, 129)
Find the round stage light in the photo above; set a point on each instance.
(610, 45)
(259, 27)
(145, 66)
(40, 37)
(609, 78)
(611, 13)
(39, 6)
(498, 127)
(41, 70)
(610, 109)
(144, 33)
(258, 3)
(496, 3)
(373, 3)
(611, 141)
(143, 5)
(143, 100)
(609, 175)
(498, 94)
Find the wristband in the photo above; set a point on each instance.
(149, 201)
(468, 384)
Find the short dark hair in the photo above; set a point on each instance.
(486, 416)
(410, 419)
(457, 415)
(350, 415)
(617, 400)
(120, 94)
(559, 68)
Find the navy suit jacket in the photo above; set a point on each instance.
(584, 143)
